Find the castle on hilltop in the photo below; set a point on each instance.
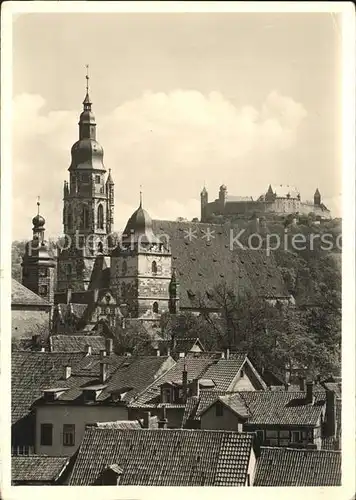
(277, 201)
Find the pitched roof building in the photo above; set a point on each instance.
(38, 470)
(293, 467)
(30, 313)
(164, 458)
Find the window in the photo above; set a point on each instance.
(284, 438)
(166, 395)
(100, 247)
(69, 218)
(68, 434)
(271, 438)
(43, 289)
(85, 177)
(46, 434)
(242, 373)
(260, 436)
(296, 437)
(85, 217)
(100, 217)
(124, 267)
(154, 267)
(219, 409)
(97, 179)
(155, 307)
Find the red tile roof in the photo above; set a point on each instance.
(159, 457)
(295, 467)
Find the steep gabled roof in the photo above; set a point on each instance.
(22, 296)
(295, 467)
(37, 468)
(30, 372)
(206, 256)
(160, 457)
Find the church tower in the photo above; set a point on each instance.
(38, 263)
(88, 211)
(141, 270)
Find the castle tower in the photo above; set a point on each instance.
(270, 196)
(222, 197)
(317, 197)
(203, 204)
(141, 269)
(38, 263)
(88, 206)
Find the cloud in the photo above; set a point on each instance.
(168, 142)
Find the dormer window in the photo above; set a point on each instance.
(166, 395)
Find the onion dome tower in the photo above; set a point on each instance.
(88, 208)
(38, 262)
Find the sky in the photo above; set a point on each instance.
(181, 101)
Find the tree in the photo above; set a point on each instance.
(133, 338)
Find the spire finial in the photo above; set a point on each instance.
(87, 78)
(140, 195)
(38, 205)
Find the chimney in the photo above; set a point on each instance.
(103, 372)
(95, 295)
(185, 383)
(286, 386)
(330, 413)
(158, 353)
(195, 387)
(302, 385)
(227, 353)
(109, 346)
(69, 295)
(88, 350)
(67, 372)
(36, 340)
(43, 349)
(309, 399)
(174, 342)
(102, 353)
(146, 419)
(222, 355)
(168, 351)
(162, 423)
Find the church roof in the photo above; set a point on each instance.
(21, 295)
(202, 257)
(139, 228)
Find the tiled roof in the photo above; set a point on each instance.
(203, 262)
(133, 373)
(22, 296)
(32, 371)
(182, 344)
(76, 343)
(283, 408)
(224, 371)
(127, 424)
(37, 468)
(195, 406)
(295, 467)
(195, 367)
(172, 457)
(235, 403)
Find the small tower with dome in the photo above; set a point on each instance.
(141, 269)
(38, 262)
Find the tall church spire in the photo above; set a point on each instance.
(87, 125)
